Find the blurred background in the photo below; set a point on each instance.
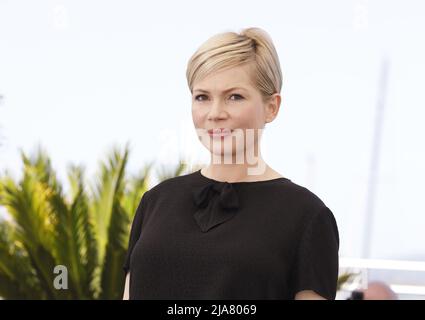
(96, 87)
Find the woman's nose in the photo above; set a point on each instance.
(217, 110)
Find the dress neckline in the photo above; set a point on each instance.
(244, 183)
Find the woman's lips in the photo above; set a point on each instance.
(220, 132)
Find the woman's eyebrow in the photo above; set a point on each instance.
(227, 90)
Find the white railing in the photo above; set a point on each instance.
(361, 267)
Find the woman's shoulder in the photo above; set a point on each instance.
(305, 202)
(173, 185)
(300, 193)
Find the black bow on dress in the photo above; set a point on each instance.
(217, 202)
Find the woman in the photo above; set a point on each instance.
(236, 229)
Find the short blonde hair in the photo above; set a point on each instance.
(230, 49)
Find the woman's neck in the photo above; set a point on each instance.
(240, 172)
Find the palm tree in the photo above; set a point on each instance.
(86, 231)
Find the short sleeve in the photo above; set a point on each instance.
(316, 265)
(135, 231)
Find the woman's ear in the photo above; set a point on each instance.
(272, 107)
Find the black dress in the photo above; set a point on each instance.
(193, 237)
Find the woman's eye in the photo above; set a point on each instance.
(201, 95)
(237, 95)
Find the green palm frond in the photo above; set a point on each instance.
(343, 278)
(17, 277)
(136, 187)
(86, 231)
(84, 235)
(113, 275)
(108, 186)
(26, 203)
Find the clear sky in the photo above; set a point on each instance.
(81, 76)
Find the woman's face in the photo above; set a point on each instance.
(227, 99)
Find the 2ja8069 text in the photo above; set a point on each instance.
(219, 310)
